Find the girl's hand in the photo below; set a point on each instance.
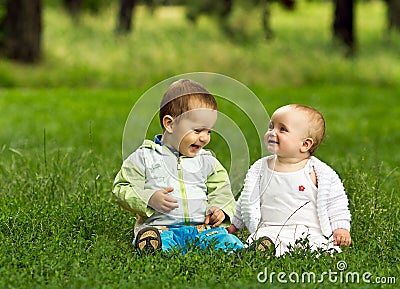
(341, 237)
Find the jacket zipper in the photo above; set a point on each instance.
(183, 192)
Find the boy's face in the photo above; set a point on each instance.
(287, 131)
(190, 132)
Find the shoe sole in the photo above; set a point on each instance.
(148, 239)
(265, 244)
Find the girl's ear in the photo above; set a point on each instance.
(307, 144)
(167, 123)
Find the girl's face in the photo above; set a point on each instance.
(287, 131)
(190, 132)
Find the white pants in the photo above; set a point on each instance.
(286, 237)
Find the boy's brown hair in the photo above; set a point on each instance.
(184, 95)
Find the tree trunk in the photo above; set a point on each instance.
(73, 8)
(393, 14)
(22, 28)
(266, 17)
(343, 24)
(125, 13)
(288, 4)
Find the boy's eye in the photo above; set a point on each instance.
(200, 130)
(282, 128)
(270, 126)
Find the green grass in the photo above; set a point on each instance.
(60, 227)
(61, 132)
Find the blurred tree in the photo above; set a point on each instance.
(220, 8)
(21, 29)
(393, 14)
(266, 13)
(288, 4)
(125, 11)
(74, 8)
(223, 8)
(266, 16)
(343, 24)
(127, 8)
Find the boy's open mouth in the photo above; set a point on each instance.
(195, 147)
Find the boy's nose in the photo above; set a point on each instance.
(204, 137)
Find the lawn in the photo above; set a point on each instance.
(62, 123)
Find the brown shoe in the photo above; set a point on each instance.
(265, 244)
(148, 239)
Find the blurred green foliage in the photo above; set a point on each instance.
(164, 43)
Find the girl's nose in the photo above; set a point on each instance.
(272, 132)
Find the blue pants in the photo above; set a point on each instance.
(183, 237)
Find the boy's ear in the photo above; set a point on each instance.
(307, 144)
(167, 123)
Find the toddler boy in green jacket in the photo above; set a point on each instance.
(180, 192)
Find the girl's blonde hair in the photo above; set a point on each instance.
(316, 129)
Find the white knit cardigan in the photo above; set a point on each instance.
(332, 202)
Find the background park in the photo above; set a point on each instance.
(67, 89)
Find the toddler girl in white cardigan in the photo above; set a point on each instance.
(292, 195)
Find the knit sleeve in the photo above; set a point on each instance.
(237, 220)
(338, 205)
(332, 202)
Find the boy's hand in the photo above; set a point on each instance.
(215, 216)
(341, 237)
(161, 202)
(231, 229)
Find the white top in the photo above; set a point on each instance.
(291, 196)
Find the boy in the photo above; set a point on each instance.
(180, 192)
(291, 194)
